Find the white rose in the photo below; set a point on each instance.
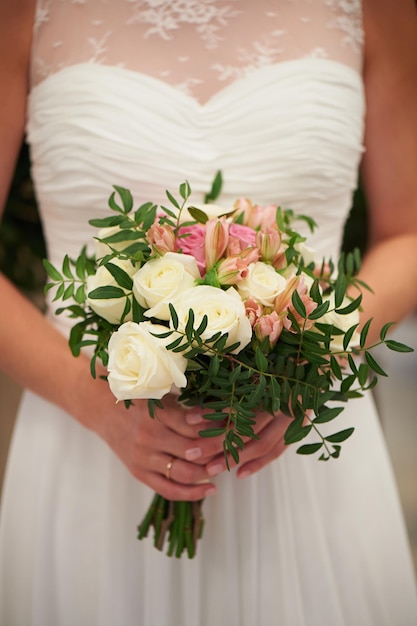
(343, 322)
(263, 283)
(162, 279)
(224, 309)
(110, 309)
(140, 366)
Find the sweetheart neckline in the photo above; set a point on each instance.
(170, 90)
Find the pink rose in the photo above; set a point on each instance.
(241, 237)
(190, 241)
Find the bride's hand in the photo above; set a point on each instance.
(257, 452)
(165, 452)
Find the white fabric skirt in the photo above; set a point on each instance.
(301, 543)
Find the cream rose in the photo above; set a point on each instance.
(224, 309)
(343, 322)
(140, 366)
(111, 309)
(162, 279)
(263, 283)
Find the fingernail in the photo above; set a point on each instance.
(244, 474)
(192, 454)
(211, 491)
(213, 470)
(192, 417)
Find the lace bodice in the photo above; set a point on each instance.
(197, 46)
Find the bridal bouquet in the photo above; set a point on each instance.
(230, 307)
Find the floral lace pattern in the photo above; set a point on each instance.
(194, 45)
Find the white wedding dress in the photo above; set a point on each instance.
(146, 94)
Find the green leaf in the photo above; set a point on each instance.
(363, 374)
(121, 277)
(79, 295)
(174, 344)
(355, 304)
(261, 360)
(126, 198)
(59, 292)
(298, 304)
(335, 367)
(340, 290)
(319, 311)
(315, 292)
(198, 215)
(309, 448)
(174, 316)
(152, 404)
(357, 259)
(189, 327)
(69, 292)
(216, 188)
(234, 374)
(172, 199)
(296, 431)
(66, 267)
(397, 346)
(106, 222)
(385, 329)
(326, 414)
(185, 190)
(113, 204)
(81, 266)
(374, 365)
(364, 333)
(348, 336)
(106, 293)
(51, 271)
(340, 436)
(211, 432)
(120, 236)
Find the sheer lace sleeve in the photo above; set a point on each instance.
(197, 46)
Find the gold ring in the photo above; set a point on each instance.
(168, 468)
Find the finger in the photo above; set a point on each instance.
(176, 491)
(155, 436)
(177, 470)
(247, 469)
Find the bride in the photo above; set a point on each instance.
(288, 98)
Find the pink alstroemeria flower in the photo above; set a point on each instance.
(270, 325)
(234, 268)
(215, 241)
(254, 310)
(161, 238)
(268, 241)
